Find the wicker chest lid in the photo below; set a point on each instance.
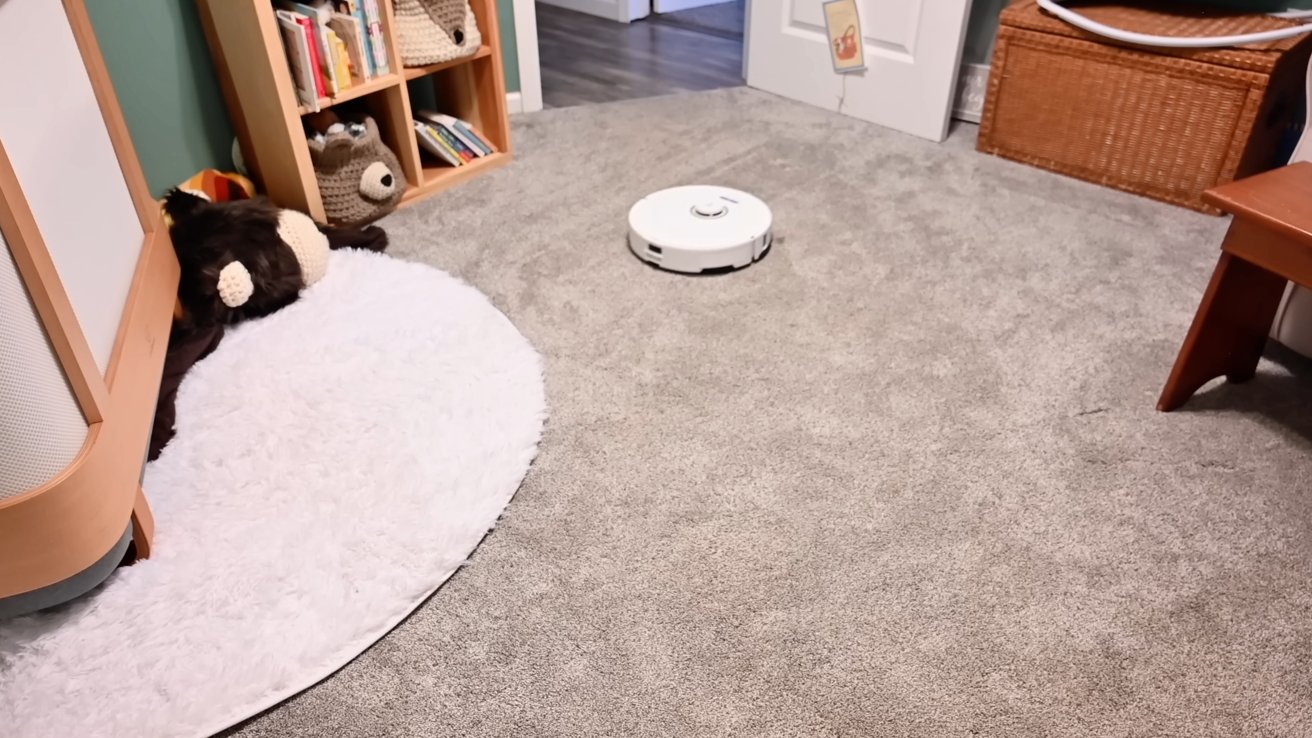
(1168, 19)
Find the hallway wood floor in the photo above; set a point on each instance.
(586, 59)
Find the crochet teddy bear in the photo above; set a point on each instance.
(360, 179)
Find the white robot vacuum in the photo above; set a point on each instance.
(699, 229)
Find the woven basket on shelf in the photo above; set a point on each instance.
(360, 179)
(1163, 123)
(433, 31)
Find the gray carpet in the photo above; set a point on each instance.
(901, 478)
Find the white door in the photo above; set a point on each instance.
(624, 11)
(912, 53)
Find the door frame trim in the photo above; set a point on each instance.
(526, 46)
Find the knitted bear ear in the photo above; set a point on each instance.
(337, 151)
(330, 151)
(235, 285)
(371, 135)
(316, 148)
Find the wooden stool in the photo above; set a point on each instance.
(1269, 242)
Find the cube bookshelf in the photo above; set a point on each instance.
(253, 71)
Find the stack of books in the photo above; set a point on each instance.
(451, 140)
(331, 46)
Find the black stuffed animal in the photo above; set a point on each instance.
(240, 259)
(248, 258)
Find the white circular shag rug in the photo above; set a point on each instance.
(334, 463)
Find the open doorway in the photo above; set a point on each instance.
(605, 50)
(595, 51)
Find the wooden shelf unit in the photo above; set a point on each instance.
(246, 45)
(436, 178)
(417, 72)
(351, 93)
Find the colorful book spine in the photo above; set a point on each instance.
(348, 21)
(455, 143)
(357, 9)
(307, 25)
(473, 136)
(434, 146)
(451, 149)
(360, 55)
(472, 142)
(298, 58)
(326, 59)
(341, 60)
(318, 28)
(377, 41)
(454, 126)
(365, 44)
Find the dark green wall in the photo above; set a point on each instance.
(162, 73)
(165, 82)
(509, 49)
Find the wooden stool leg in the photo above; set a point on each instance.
(1229, 330)
(143, 525)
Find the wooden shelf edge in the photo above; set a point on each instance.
(417, 72)
(351, 93)
(451, 176)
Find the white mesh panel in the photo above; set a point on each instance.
(41, 426)
(59, 146)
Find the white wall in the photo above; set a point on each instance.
(52, 130)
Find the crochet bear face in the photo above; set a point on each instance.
(360, 179)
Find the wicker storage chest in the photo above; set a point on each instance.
(1167, 124)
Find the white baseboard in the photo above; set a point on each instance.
(623, 11)
(674, 6)
(515, 102)
(972, 86)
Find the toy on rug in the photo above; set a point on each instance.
(247, 258)
(238, 259)
(360, 179)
